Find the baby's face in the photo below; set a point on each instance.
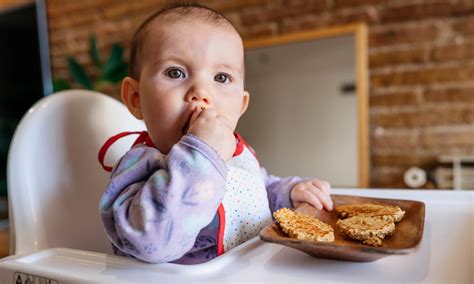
(186, 66)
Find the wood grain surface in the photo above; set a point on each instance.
(406, 238)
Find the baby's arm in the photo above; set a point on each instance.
(155, 206)
(278, 190)
(291, 191)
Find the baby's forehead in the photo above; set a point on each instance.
(164, 33)
(164, 24)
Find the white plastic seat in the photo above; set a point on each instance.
(55, 183)
(54, 179)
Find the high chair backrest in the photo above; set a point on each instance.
(54, 179)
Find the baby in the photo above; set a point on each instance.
(191, 188)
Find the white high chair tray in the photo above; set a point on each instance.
(445, 256)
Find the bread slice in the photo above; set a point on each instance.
(369, 230)
(303, 227)
(386, 212)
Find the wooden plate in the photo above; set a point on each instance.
(406, 238)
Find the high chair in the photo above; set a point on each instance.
(55, 182)
(54, 186)
(54, 179)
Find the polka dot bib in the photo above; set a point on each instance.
(245, 200)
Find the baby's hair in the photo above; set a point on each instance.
(186, 10)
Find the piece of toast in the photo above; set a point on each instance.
(369, 230)
(386, 212)
(303, 227)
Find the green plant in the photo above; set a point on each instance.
(112, 70)
(61, 84)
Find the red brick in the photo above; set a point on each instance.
(261, 30)
(415, 55)
(304, 22)
(315, 20)
(64, 36)
(392, 120)
(123, 28)
(234, 18)
(118, 10)
(464, 25)
(226, 6)
(83, 58)
(74, 20)
(450, 149)
(420, 11)
(404, 159)
(300, 3)
(459, 95)
(352, 3)
(453, 52)
(404, 34)
(58, 63)
(147, 7)
(61, 8)
(261, 15)
(76, 48)
(425, 116)
(403, 139)
(368, 15)
(395, 99)
(424, 76)
(448, 136)
(112, 90)
(386, 177)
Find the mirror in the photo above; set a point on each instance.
(308, 104)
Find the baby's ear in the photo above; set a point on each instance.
(131, 97)
(245, 102)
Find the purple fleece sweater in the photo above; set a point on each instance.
(163, 208)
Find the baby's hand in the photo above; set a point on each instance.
(314, 192)
(213, 129)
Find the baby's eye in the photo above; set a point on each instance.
(222, 78)
(175, 73)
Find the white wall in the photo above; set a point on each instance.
(298, 121)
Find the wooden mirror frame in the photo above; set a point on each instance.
(360, 32)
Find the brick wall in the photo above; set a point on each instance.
(421, 62)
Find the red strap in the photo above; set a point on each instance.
(239, 148)
(220, 232)
(142, 138)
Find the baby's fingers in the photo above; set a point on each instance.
(322, 197)
(302, 193)
(323, 185)
(194, 116)
(321, 189)
(312, 198)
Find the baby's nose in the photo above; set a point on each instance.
(199, 94)
(200, 98)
